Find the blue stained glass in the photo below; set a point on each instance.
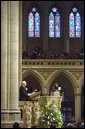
(78, 25)
(51, 25)
(57, 25)
(37, 25)
(31, 25)
(34, 23)
(74, 24)
(71, 25)
(54, 23)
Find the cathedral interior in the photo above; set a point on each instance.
(42, 42)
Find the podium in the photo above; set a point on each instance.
(36, 94)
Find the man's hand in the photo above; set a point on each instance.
(29, 94)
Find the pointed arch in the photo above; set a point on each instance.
(81, 80)
(65, 73)
(35, 74)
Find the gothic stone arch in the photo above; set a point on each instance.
(34, 73)
(81, 82)
(65, 73)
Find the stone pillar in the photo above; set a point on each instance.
(14, 51)
(77, 106)
(3, 55)
(45, 30)
(66, 29)
(20, 41)
(10, 63)
(44, 90)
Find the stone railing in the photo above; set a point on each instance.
(53, 63)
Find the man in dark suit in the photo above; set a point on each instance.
(24, 95)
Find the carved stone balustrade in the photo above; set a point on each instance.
(30, 113)
(30, 110)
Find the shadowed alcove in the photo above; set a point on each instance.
(67, 92)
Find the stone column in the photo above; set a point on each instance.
(66, 29)
(14, 51)
(3, 55)
(45, 91)
(4, 64)
(20, 41)
(45, 30)
(77, 106)
(10, 63)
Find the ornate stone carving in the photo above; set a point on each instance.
(27, 114)
(45, 73)
(51, 99)
(57, 93)
(36, 112)
(77, 74)
(31, 113)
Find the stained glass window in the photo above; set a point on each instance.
(37, 25)
(51, 25)
(74, 24)
(34, 23)
(54, 23)
(31, 25)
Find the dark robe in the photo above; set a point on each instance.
(23, 94)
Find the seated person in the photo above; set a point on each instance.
(23, 92)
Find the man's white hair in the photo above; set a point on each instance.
(24, 83)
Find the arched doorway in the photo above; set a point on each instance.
(82, 102)
(67, 92)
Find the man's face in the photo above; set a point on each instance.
(24, 83)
